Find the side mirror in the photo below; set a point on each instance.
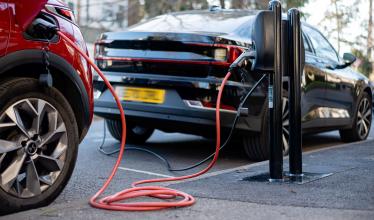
(349, 58)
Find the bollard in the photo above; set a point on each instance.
(275, 99)
(295, 69)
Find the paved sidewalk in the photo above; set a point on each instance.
(347, 194)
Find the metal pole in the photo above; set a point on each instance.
(275, 100)
(295, 158)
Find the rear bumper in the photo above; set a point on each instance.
(174, 114)
(199, 123)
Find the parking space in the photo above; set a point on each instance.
(93, 168)
(181, 150)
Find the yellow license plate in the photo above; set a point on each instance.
(137, 94)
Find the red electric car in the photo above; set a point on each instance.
(46, 102)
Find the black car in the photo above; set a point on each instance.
(168, 70)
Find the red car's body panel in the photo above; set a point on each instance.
(22, 13)
(26, 11)
(5, 12)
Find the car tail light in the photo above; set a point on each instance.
(220, 54)
(62, 12)
(227, 53)
(234, 53)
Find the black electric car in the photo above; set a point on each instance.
(168, 69)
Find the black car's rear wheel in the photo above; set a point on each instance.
(38, 144)
(135, 134)
(256, 144)
(361, 123)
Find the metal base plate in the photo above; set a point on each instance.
(305, 177)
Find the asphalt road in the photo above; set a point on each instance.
(181, 150)
(93, 167)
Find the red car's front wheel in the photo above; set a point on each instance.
(38, 144)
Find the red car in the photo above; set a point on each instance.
(46, 102)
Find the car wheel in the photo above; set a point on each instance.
(38, 144)
(256, 145)
(135, 134)
(361, 123)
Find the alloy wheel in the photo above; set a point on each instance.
(139, 130)
(33, 144)
(364, 115)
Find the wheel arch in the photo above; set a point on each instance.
(369, 92)
(65, 79)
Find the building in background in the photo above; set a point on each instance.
(97, 16)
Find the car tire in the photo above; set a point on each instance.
(361, 123)
(256, 144)
(135, 134)
(39, 135)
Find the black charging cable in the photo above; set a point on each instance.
(110, 153)
(164, 160)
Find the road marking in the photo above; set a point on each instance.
(144, 172)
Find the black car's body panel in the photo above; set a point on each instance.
(189, 66)
(174, 110)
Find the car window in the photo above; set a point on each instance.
(214, 22)
(321, 46)
(306, 44)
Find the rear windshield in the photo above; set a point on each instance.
(211, 22)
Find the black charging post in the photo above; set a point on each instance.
(275, 99)
(279, 48)
(295, 70)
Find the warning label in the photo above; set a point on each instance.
(270, 96)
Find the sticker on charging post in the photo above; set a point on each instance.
(270, 95)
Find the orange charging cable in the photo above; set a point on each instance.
(118, 200)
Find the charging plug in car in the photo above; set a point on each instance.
(42, 29)
(242, 61)
(45, 30)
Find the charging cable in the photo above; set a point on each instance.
(165, 160)
(119, 201)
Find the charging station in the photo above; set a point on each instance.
(279, 50)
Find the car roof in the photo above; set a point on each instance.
(232, 12)
(217, 21)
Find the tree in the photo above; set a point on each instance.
(370, 44)
(238, 4)
(222, 2)
(370, 31)
(341, 15)
(263, 4)
(363, 63)
(295, 3)
(134, 12)
(153, 8)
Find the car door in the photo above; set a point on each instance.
(313, 86)
(339, 88)
(4, 26)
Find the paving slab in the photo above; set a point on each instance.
(347, 194)
(351, 185)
